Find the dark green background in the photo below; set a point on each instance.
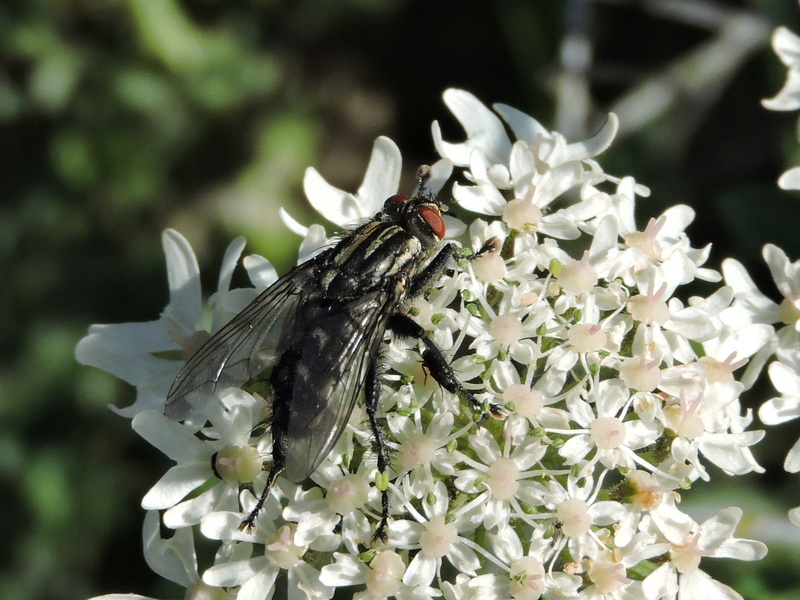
(119, 118)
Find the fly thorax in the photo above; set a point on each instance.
(377, 254)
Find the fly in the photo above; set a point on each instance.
(315, 337)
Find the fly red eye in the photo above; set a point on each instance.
(398, 199)
(434, 220)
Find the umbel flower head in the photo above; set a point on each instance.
(618, 392)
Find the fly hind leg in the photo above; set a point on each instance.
(248, 524)
(282, 379)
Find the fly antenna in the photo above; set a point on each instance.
(424, 174)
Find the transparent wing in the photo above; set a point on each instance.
(244, 347)
(330, 373)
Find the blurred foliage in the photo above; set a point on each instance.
(119, 118)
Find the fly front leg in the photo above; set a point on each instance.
(434, 269)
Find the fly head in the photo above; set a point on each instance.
(421, 214)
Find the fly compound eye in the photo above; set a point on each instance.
(434, 220)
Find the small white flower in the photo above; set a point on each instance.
(691, 542)
(787, 46)
(131, 350)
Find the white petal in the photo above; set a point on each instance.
(291, 223)
(661, 583)
(506, 544)
(464, 558)
(260, 587)
(440, 173)
(183, 274)
(779, 266)
(347, 570)
(484, 130)
(176, 441)
(673, 523)
(790, 180)
(786, 45)
(421, 570)
(792, 462)
(794, 515)
(738, 278)
(312, 244)
(260, 271)
(698, 584)
(172, 558)
(720, 527)
(482, 199)
(218, 498)
(304, 584)
(788, 98)
(779, 410)
(606, 512)
(595, 144)
(742, 549)
(225, 526)
(239, 572)
(337, 206)
(229, 262)
(404, 533)
(525, 127)
(124, 350)
(729, 451)
(382, 177)
(174, 485)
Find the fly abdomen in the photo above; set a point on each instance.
(317, 382)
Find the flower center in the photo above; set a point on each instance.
(238, 464)
(281, 549)
(348, 494)
(506, 330)
(607, 433)
(437, 538)
(416, 451)
(574, 516)
(527, 402)
(503, 476)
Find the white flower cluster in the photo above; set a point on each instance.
(752, 306)
(618, 394)
(787, 46)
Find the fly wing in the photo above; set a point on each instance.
(246, 346)
(330, 373)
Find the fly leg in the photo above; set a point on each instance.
(434, 269)
(281, 379)
(248, 524)
(372, 396)
(433, 358)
